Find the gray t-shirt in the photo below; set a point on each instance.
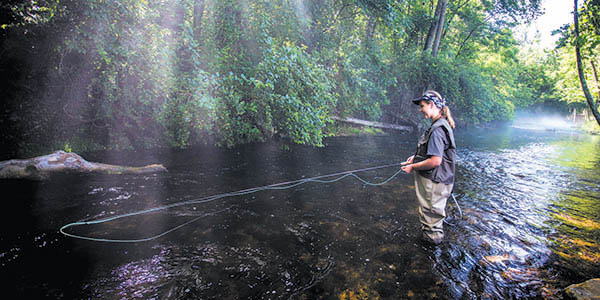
(439, 145)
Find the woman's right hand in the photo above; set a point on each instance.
(408, 161)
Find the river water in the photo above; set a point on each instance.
(527, 225)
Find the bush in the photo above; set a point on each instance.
(297, 90)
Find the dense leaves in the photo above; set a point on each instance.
(140, 74)
(297, 90)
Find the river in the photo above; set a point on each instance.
(527, 224)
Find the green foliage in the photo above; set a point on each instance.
(240, 117)
(513, 10)
(133, 67)
(68, 147)
(589, 28)
(473, 95)
(361, 88)
(568, 85)
(534, 80)
(297, 90)
(184, 72)
(190, 110)
(23, 13)
(362, 78)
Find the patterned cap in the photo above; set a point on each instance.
(431, 97)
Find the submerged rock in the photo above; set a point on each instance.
(585, 290)
(41, 167)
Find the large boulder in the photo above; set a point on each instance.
(585, 290)
(41, 167)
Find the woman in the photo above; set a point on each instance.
(434, 165)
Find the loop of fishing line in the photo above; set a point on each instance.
(277, 186)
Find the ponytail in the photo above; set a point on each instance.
(448, 115)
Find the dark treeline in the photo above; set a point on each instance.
(135, 74)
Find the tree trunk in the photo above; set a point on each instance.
(596, 77)
(588, 96)
(434, 26)
(457, 7)
(440, 28)
(60, 162)
(464, 42)
(372, 124)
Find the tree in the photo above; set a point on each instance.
(435, 29)
(588, 95)
(185, 72)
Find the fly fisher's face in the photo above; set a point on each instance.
(428, 109)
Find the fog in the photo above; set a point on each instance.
(542, 121)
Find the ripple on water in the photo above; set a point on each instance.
(529, 226)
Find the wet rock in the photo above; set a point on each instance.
(586, 290)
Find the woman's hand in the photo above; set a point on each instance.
(407, 165)
(430, 163)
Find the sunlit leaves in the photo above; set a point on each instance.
(22, 13)
(298, 91)
(182, 72)
(568, 87)
(134, 71)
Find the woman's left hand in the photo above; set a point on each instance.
(407, 168)
(407, 165)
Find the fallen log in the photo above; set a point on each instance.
(372, 124)
(58, 162)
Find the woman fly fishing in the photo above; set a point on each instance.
(434, 165)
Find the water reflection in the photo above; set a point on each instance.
(514, 217)
(574, 231)
(530, 225)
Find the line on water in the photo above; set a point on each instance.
(276, 186)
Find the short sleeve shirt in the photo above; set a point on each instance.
(439, 145)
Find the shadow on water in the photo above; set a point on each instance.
(530, 224)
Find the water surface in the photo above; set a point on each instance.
(529, 224)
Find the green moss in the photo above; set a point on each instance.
(68, 148)
(340, 129)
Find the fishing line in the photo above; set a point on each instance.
(276, 186)
(459, 211)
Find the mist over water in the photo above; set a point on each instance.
(542, 121)
(529, 227)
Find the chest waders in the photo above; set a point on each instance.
(432, 196)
